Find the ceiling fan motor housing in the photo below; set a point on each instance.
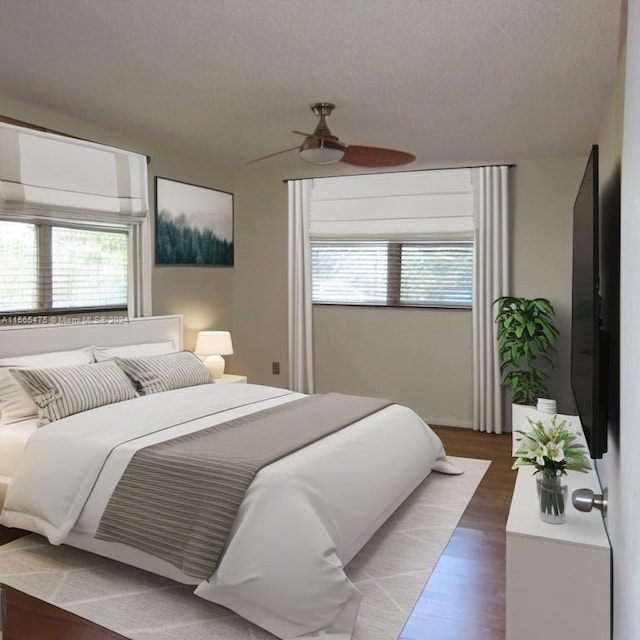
(322, 110)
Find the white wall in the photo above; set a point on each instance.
(626, 517)
(260, 294)
(619, 469)
(544, 190)
(417, 357)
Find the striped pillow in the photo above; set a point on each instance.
(63, 391)
(15, 403)
(153, 374)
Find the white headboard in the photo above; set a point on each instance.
(39, 338)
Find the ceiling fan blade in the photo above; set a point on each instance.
(270, 155)
(375, 156)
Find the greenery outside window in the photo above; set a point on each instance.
(397, 274)
(54, 268)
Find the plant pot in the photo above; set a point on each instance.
(547, 405)
(519, 415)
(552, 499)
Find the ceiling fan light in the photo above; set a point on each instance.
(316, 152)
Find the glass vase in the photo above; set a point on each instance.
(552, 498)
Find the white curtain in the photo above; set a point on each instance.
(49, 178)
(491, 280)
(300, 309)
(140, 266)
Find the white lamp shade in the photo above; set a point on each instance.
(214, 343)
(320, 152)
(211, 346)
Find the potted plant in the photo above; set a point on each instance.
(526, 335)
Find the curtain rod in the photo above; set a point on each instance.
(36, 127)
(352, 175)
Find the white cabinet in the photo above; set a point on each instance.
(558, 576)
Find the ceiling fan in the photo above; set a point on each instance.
(322, 147)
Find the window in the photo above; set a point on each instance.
(57, 268)
(418, 274)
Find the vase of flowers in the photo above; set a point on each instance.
(553, 450)
(552, 498)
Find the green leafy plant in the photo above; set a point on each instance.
(526, 333)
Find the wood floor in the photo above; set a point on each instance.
(464, 597)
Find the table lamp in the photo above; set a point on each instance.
(211, 346)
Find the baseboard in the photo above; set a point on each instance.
(449, 423)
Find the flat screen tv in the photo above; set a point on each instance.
(589, 341)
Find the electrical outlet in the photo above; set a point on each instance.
(275, 368)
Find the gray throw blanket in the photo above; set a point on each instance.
(178, 499)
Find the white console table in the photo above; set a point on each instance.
(558, 576)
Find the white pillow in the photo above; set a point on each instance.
(62, 391)
(15, 403)
(133, 350)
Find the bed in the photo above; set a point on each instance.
(302, 519)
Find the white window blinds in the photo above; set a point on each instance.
(349, 273)
(438, 274)
(402, 206)
(425, 274)
(49, 268)
(44, 172)
(18, 267)
(80, 258)
(398, 239)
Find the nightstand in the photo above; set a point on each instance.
(230, 378)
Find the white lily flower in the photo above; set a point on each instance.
(543, 446)
(540, 453)
(555, 451)
(528, 443)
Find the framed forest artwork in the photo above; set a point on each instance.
(194, 225)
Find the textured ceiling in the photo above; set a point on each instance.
(452, 81)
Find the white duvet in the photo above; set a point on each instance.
(302, 520)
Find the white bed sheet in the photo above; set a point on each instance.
(302, 520)
(13, 439)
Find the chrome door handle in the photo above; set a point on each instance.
(585, 500)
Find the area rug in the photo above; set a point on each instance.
(390, 571)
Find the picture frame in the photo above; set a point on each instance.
(193, 224)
